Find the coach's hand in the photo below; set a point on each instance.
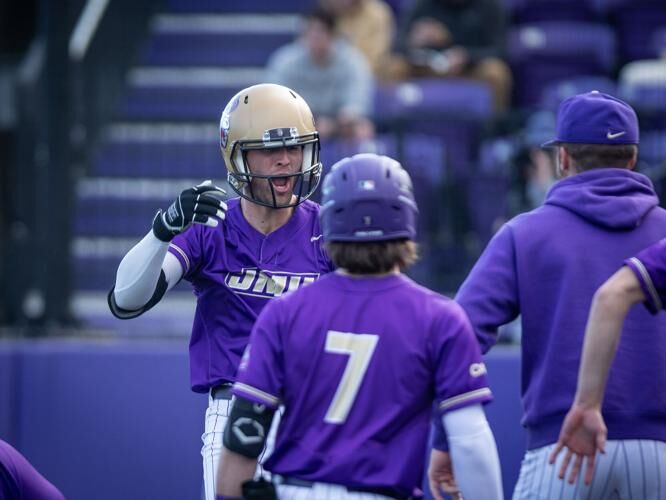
(202, 204)
(583, 433)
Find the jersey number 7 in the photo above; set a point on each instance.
(359, 347)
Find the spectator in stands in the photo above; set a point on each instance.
(369, 25)
(456, 38)
(330, 74)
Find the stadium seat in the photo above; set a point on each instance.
(643, 84)
(635, 22)
(554, 93)
(453, 110)
(541, 53)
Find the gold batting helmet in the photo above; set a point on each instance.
(269, 116)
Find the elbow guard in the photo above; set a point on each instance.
(247, 427)
(120, 313)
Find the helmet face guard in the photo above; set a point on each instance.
(269, 116)
(241, 178)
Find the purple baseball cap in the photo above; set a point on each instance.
(595, 118)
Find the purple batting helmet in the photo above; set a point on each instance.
(368, 197)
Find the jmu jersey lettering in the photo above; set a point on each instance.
(269, 284)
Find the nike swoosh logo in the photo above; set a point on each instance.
(615, 135)
(315, 238)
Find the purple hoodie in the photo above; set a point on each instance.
(545, 265)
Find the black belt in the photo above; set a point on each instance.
(386, 491)
(221, 391)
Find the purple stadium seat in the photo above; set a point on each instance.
(434, 97)
(206, 49)
(643, 84)
(540, 53)
(554, 93)
(423, 156)
(635, 22)
(452, 110)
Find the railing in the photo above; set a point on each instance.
(67, 89)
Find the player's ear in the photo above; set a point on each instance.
(563, 162)
(631, 165)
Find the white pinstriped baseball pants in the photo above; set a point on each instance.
(217, 415)
(324, 491)
(629, 470)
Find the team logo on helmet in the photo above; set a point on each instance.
(286, 135)
(226, 120)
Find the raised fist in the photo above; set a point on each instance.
(202, 204)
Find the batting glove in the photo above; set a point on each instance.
(197, 205)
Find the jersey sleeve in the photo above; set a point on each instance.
(649, 266)
(186, 247)
(460, 373)
(260, 374)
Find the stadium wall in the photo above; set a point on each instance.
(116, 419)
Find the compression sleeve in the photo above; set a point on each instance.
(139, 271)
(473, 453)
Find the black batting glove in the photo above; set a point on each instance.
(202, 204)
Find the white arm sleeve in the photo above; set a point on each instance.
(139, 272)
(474, 457)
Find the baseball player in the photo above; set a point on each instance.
(20, 480)
(545, 265)
(641, 279)
(357, 359)
(238, 254)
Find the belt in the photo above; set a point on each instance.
(221, 391)
(386, 491)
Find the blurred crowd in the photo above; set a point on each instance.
(527, 56)
(462, 92)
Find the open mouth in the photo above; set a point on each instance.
(281, 184)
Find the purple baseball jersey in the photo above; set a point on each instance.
(19, 479)
(649, 266)
(235, 270)
(357, 363)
